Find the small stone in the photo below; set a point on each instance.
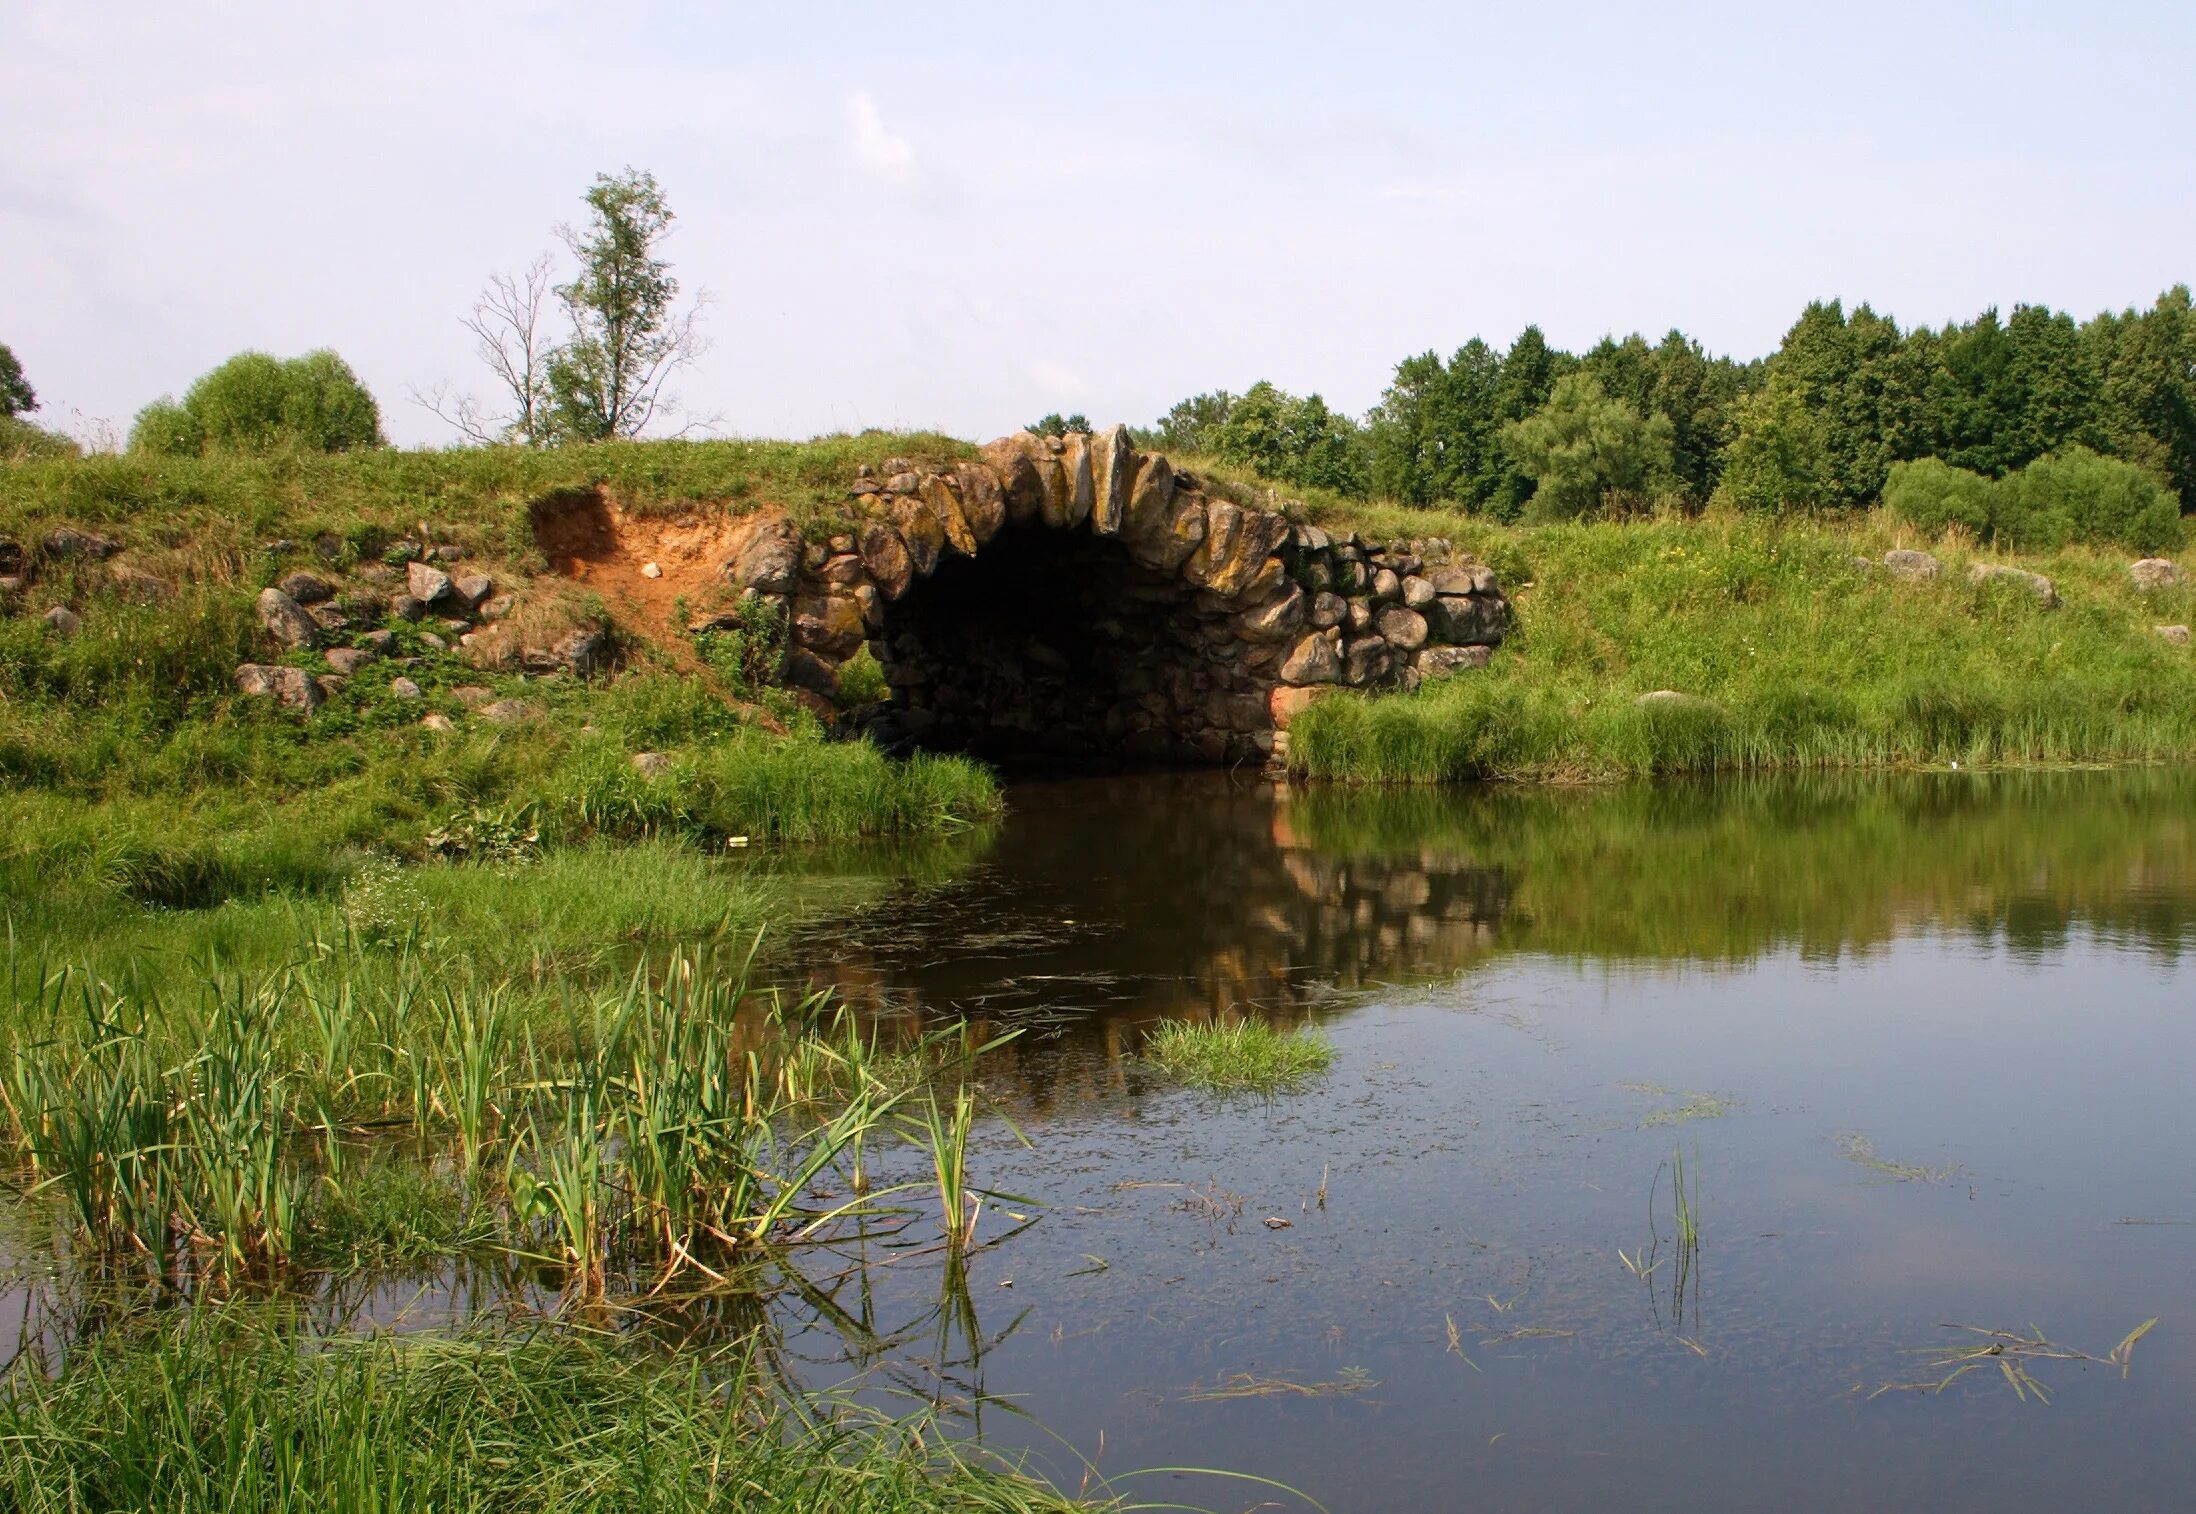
(306, 588)
(404, 688)
(1436, 661)
(406, 608)
(1670, 699)
(328, 545)
(62, 621)
(1913, 566)
(438, 722)
(1328, 609)
(432, 642)
(650, 570)
(496, 608)
(2177, 635)
(404, 549)
(449, 552)
(286, 620)
(509, 712)
(651, 764)
(137, 584)
(472, 694)
(2157, 573)
(428, 585)
(457, 627)
(281, 546)
(1418, 592)
(70, 542)
(1386, 585)
(472, 589)
(348, 660)
(329, 618)
(1359, 616)
(292, 688)
(381, 643)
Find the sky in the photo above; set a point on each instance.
(964, 216)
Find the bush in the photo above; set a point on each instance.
(1931, 495)
(2078, 496)
(258, 403)
(2070, 496)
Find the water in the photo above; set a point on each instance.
(1924, 1045)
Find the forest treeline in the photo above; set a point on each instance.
(1825, 422)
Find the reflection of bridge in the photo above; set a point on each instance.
(1106, 905)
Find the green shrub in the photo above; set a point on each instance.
(2078, 496)
(258, 403)
(1931, 495)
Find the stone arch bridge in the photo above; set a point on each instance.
(1070, 599)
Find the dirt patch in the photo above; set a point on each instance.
(588, 538)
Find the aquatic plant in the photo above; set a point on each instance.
(1249, 1055)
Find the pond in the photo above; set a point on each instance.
(1671, 1135)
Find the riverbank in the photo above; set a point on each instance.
(1727, 643)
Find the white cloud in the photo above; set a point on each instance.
(881, 154)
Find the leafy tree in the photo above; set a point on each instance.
(1585, 450)
(1435, 435)
(1778, 459)
(16, 395)
(1931, 494)
(258, 403)
(2146, 368)
(1057, 424)
(2078, 496)
(1193, 426)
(1293, 440)
(628, 336)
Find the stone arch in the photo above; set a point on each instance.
(1066, 599)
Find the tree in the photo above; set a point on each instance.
(1584, 450)
(1193, 426)
(1778, 460)
(508, 334)
(1057, 424)
(628, 336)
(16, 395)
(1293, 440)
(259, 403)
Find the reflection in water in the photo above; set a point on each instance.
(1105, 904)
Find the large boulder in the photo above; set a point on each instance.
(1367, 659)
(768, 560)
(1436, 661)
(1998, 572)
(885, 557)
(472, 590)
(1401, 627)
(1238, 542)
(830, 624)
(1467, 621)
(427, 584)
(1913, 566)
(1279, 619)
(1079, 493)
(61, 621)
(1112, 479)
(2157, 573)
(944, 499)
(306, 588)
(286, 620)
(1022, 491)
(983, 499)
(292, 688)
(1316, 658)
(922, 532)
(68, 542)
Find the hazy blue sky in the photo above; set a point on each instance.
(965, 215)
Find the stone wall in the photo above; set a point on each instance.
(1070, 598)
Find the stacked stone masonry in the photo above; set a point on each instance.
(1070, 598)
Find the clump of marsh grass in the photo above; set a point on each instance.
(1861, 1151)
(1690, 1106)
(2011, 1353)
(1248, 1056)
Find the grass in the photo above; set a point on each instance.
(2011, 1353)
(1249, 1055)
(1793, 655)
(233, 1409)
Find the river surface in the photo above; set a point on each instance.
(1922, 1047)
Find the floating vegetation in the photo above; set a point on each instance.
(1529, 1333)
(1250, 1056)
(2010, 1353)
(1683, 1241)
(1692, 1105)
(1251, 1385)
(1861, 1151)
(1456, 1342)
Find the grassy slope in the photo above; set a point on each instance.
(131, 766)
(1801, 658)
